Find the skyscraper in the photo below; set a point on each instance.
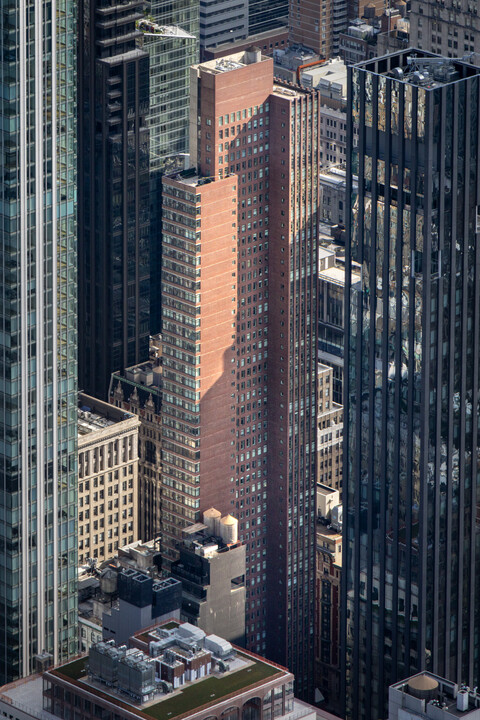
(171, 38)
(411, 534)
(239, 424)
(450, 28)
(265, 15)
(38, 337)
(114, 194)
(221, 23)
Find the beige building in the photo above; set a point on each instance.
(330, 432)
(327, 500)
(450, 28)
(107, 479)
(327, 611)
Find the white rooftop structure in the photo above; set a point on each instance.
(332, 75)
(190, 632)
(217, 645)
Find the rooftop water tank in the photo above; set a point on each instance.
(229, 529)
(423, 686)
(210, 518)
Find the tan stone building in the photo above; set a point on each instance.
(327, 611)
(107, 479)
(330, 431)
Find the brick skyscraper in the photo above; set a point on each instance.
(239, 327)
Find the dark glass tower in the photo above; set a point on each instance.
(38, 336)
(411, 587)
(113, 216)
(266, 15)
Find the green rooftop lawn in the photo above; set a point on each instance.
(200, 693)
(204, 692)
(75, 669)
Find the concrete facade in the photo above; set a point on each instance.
(142, 602)
(267, 41)
(450, 28)
(222, 22)
(213, 578)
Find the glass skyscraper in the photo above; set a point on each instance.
(170, 36)
(266, 15)
(114, 192)
(38, 336)
(411, 587)
(171, 41)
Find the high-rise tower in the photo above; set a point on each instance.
(171, 38)
(450, 28)
(239, 303)
(411, 552)
(38, 336)
(265, 15)
(114, 193)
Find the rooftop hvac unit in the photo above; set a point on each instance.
(462, 700)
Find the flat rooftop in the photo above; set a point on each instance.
(331, 73)
(247, 671)
(441, 694)
(27, 695)
(417, 67)
(148, 373)
(235, 61)
(190, 177)
(334, 274)
(95, 415)
(256, 39)
(328, 532)
(290, 92)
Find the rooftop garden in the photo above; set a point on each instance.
(193, 696)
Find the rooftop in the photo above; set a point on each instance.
(425, 694)
(290, 91)
(334, 274)
(191, 177)
(421, 68)
(294, 56)
(95, 415)
(325, 489)
(247, 671)
(27, 695)
(329, 532)
(148, 373)
(332, 75)
(235, 61)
